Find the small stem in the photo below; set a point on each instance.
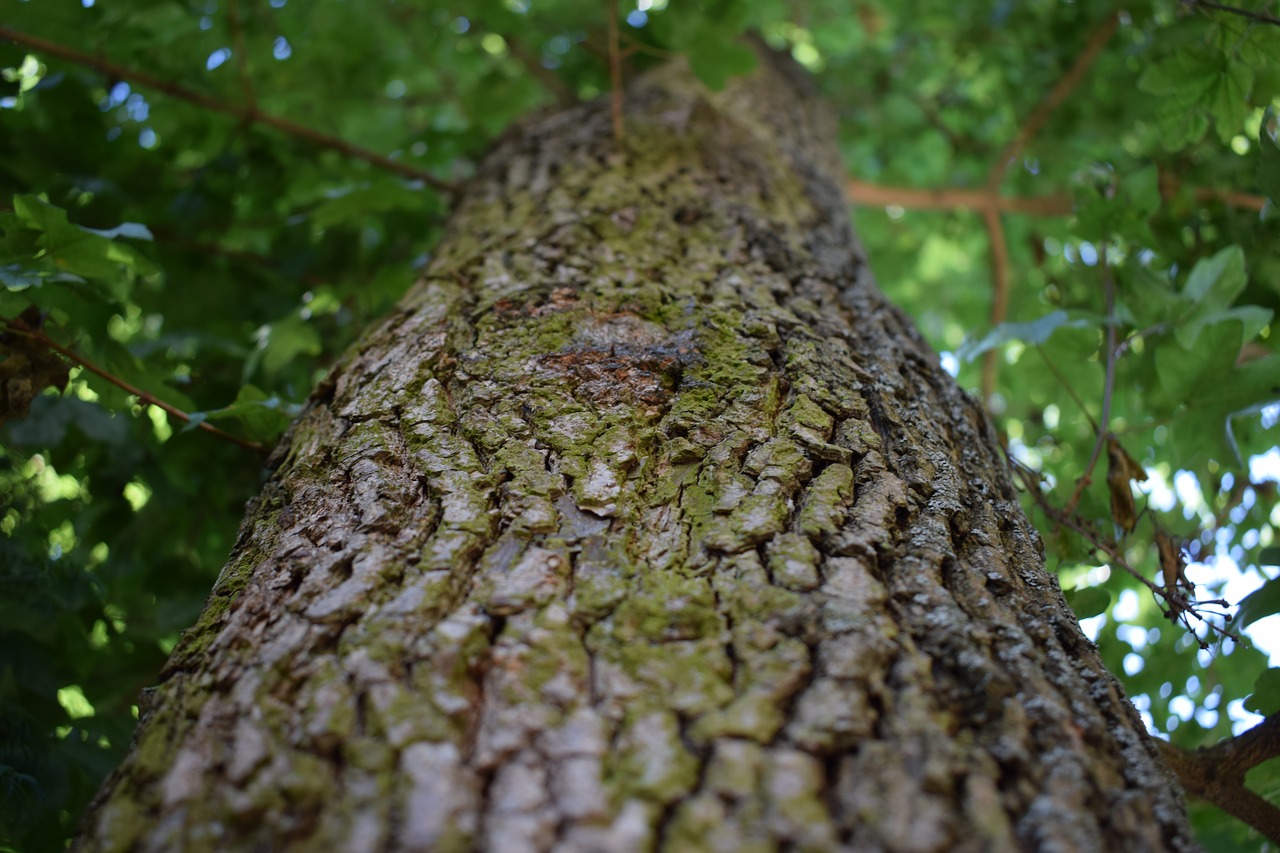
(242, 57)
(999, 294)
(1108, 383)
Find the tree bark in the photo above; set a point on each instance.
(643, 522)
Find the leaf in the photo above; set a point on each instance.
(1269, 157)
(1229, 99)
(1089, 601)
(1266, 693)
(131, 230)
(1220, 277)
(1259, 604)
(1122, 470)
(352, 202)
(1269, 556)
(1185, 74)
(50, 418)
(79, 251)
(263, 416)
(282, 341)
(18, 277)
(1034, 332)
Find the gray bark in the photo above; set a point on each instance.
(643, 522)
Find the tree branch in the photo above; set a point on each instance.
(1216, 774)
(615, 70)
(1259, 17)
(1032, 126)
(999, 293)
(248, 114)
(40, 337)
(1108, 382)
(868, 194)
(550, 81)
(242, 56)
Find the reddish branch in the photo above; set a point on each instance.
(1259, 17)
(615, 69)
(248, 114)
(550, 81)
(868, 194)
(40, 337)
(1030, 128)
(1216, 774)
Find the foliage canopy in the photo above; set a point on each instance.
(203, 201)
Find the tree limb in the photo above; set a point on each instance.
(40, 337)
(248, 114)
(550, 81)
(1216, 774)
(1259, 17)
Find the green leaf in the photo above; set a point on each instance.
(1213, 285)
(714, 62)
(1088, 601)
(284, 340)
(1259, 604)
(1269, 158)
(131, 230)
(1035, 332)
(18, 277)
(1186, 74)
(1269, 556)
(380, 197)
(1266, 693)
(264, 416)
(78, 250)
(1229, 99)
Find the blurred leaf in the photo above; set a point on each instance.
(1259, 604)
(1266, 693)
(1035, 332)
(1269, 157)
(1088, 602)
(78, 250)
(263, 416)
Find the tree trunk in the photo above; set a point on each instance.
(643, 522)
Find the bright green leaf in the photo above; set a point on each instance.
(1088, 601)
(1266, 693)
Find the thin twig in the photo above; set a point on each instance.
(999, 293)
(242, 56)
(244, 113)
(1062, 380)
(1217, 773)
(549, 79)
(1258, 17)
(991, 214)
(1181, 606)
(637, 46)
(615, 70)
(1036, 121)
(868, 194)
(1108, 382)
(150, 399)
